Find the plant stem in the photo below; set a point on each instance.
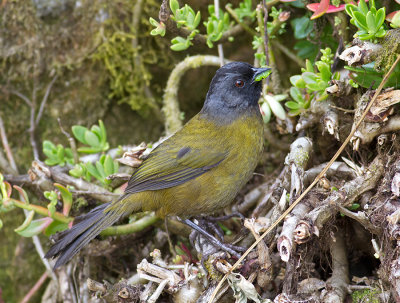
(41, 210)
(130, 228)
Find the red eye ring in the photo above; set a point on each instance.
(239, 83)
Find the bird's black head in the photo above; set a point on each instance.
(235, 89)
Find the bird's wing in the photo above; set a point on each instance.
(169, 166)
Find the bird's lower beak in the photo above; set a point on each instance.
(260, 73)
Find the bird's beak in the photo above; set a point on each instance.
(260, 73)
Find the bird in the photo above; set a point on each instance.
(198, 170)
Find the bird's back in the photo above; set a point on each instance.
(235, 146)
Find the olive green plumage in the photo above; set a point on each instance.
(198, 170)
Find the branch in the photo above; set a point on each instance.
(130, 228)
(170, 100)
(368, 131)
(346, 195)
(6, 146)
(362, 53)
(339, 281)
(35, 288)
(44, 100)
(22, 96)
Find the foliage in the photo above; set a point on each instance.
(270, 104)
(367, 76)
(216, 26)
(49, 224)
(309, 42)
(369, 21)
(311, 85)
(96, 141)
(245, 10)
(366, 296)
(95, 138)
(57, 155)
(100, 170)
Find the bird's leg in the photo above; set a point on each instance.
(227, 217)
(171, 247)
(225, 247)
(212, 226)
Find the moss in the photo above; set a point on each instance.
(390, 50)
(366, 296)
(20, 266)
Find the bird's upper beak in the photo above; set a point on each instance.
(260, 73)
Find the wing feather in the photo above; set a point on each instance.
(168, 166)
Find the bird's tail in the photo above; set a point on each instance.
(89, 226)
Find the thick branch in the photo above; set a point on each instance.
(338, 282)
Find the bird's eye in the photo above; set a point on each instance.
(239, 83)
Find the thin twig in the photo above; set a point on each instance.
(6, 146)
(219, 47)
(35, 288)
(290, 208)
(71, 141)
(22, 96)
(32, 128)
(266, 37)
(44, 100)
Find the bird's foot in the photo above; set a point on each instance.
(216, 243)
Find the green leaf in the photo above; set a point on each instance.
(294, 79)
(174, 5)
(35, 227)
(309, 66)
(295, 112)
(197, 20)
(55, 227)
(371, 22)
(360, 21)
(381, 33)
(292, 105)
(302, 27)
(179, 47)
(66, 197)
(26, 222)
(305, 49)
(153, 22)
(93, 171)
(100, 170)
(79, 132)
(362, 7)
(296, 95)
(350, 8)
(325, 70)
(77, 171)
(276, 107)
(266, 112)
(48, 145)
(91, 139)
(309, 77)
(108, 165)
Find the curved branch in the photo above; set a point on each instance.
(130, 228)
(170, 100)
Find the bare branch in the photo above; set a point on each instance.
(22, 96)
(44, 100)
